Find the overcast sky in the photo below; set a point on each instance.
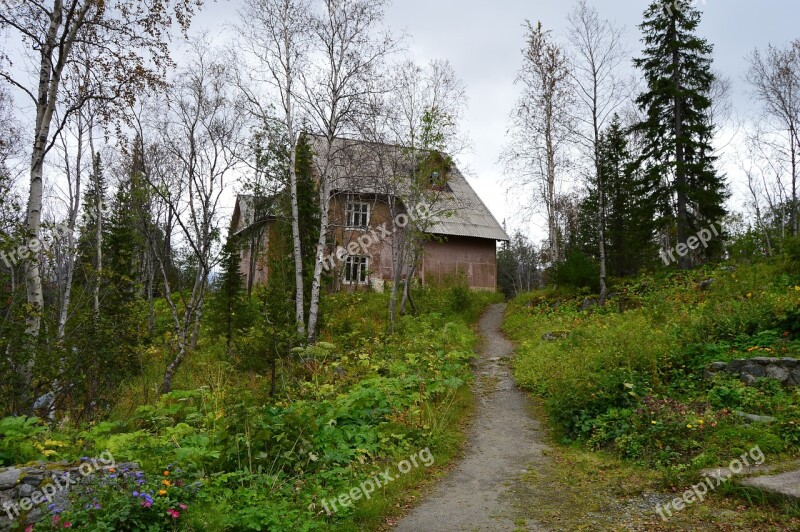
(483, 40)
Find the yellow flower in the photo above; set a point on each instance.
(653, 422)
(701, 422)
(162, 492)
(166, 482)
(689, 426)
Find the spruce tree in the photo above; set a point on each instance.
(678, 157)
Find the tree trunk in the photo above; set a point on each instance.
(324, 205)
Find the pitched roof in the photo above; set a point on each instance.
(373, 168)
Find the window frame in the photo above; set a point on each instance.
(362, 270)
(350, 213)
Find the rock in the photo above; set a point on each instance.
(33, 516)
(589, 303)
(729, 269)
(554, 336)
(778, 373)
(785, 484)
(735, 366)
(755, 418)
(25, 490)
(796, 376)
(749, 380)
(756, 370)
(9, 478)
(765, 360)
(705, 284)
(789, 362)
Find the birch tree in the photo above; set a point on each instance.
(774, 76)
(203, 135)
(600, 88)
(128, 42)
(540, 127)
(277, 34)
(348, 50)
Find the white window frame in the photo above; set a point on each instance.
(358, 209)
(362, 275)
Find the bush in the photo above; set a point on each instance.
(579, 271)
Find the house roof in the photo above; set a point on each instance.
(377, 168)
(245, 212)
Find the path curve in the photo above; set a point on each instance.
(504, 441)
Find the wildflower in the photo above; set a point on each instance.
(173, 513)
(166, 482)
(135, 493)
(700, 422)
(689, 426)
(29, 528)
(182, 506)
(67, 524)
(166, 473)
(112, 470)
(653, 422)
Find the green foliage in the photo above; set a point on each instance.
(629, 377)
(677, 128)
(578, 271)
(20, 440)
(346, 407)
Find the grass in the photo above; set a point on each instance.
(631, 413)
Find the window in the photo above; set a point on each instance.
(357, 214)
(355, 270)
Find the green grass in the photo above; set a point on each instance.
(359, 401)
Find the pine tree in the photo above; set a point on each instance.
(678, 157)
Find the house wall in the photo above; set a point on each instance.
(474, 257)
(379, 251)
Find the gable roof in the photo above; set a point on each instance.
(368, 168)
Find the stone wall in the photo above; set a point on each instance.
(784, 370)
(26, 491)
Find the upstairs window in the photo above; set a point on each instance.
(356, 270)
(357, 214)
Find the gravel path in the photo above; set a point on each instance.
(503, 442)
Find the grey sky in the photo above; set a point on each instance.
(483, 40)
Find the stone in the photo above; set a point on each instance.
(796, 375)
(705, 284)
(735, 366)
(785, 484)
(589, 303)
(25, 490)
(754, 418)
(748, 379)
(756, 370)
(554, 336)
(765, 360)
(778, 373)
(9, 478)
(789, 362)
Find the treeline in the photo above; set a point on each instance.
(115, 257)
(652, 190)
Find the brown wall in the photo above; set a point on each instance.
(476, 258)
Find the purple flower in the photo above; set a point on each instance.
(135, 493)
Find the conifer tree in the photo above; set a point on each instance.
(678, 157)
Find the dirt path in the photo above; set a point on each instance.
(503, 442)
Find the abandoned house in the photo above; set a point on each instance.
(390, 209)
